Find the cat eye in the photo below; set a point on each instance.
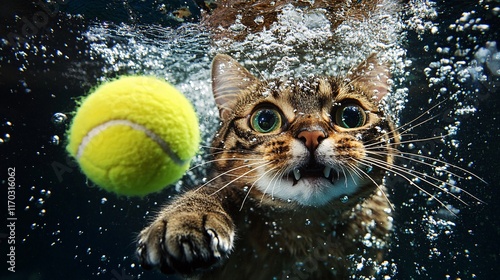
(265, 120)
(350, 116)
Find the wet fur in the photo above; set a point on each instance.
(216, 230)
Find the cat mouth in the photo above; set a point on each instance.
(314, 172)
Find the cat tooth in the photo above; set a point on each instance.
(296, 174)
(326, 171)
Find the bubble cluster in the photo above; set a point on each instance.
(303, 42)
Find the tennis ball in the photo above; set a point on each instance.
(134, 135)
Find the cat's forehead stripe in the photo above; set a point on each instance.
(309, 95)
(300, 96)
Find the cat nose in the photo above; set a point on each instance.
(312, 138)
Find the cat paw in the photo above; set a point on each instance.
(185, 243)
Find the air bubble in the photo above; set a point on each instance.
(344, 199)
(40, 201)
(259, 20)
(59, 118)
(54, 140)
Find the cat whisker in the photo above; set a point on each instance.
(345, 175)
(403, 129)
(223, 160)
(423, 176)
(433, 197)
(398, 170)
(277, 176)
(439, 137)
(241, 176)
(418, 158)
(409, 155)
(253, 184)
(228, 172)
(365, 175)
(352, 168)
(403, 132)
(420, 161)
(237, 175)
(450, 173)
(255, 68)
(247, 152)
(423, 114)
(396, 134)
(226, 150)
(397, 130)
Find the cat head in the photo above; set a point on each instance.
(309, 141)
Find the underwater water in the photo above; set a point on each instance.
(54, 53)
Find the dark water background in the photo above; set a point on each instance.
(80, 236)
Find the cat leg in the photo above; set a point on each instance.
(190, 235)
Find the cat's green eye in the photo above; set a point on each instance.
(350, 116)
(265, 120)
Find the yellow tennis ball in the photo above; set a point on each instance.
(134, 135)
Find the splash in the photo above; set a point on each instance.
(300, 43)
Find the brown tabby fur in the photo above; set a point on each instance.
(231, 229)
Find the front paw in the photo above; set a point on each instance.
(186, 242)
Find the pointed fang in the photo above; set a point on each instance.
(326, 171)
(296, 174)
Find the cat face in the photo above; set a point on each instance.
(310, 141)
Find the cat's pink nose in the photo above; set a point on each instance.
(312, 138)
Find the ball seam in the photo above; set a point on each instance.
(153, 136)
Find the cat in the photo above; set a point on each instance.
(297, 186)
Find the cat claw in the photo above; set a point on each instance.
(220, 247)
(184, 252)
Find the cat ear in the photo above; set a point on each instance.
(374, 75)
(228, 79)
